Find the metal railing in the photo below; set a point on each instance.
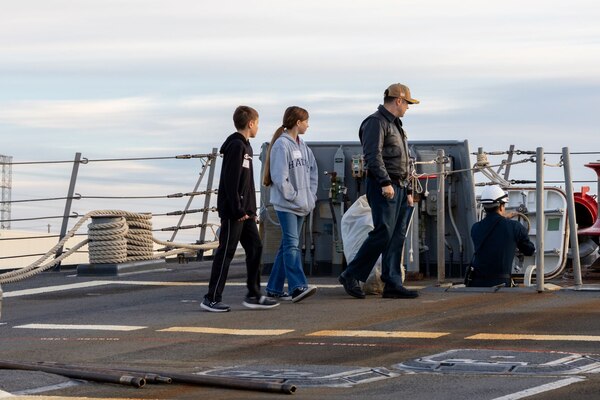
(208, 164)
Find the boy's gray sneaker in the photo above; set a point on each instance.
(214, 306)
(259, 303)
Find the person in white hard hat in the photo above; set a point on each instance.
(495, 239)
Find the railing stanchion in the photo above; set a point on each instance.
(189, 202)
(571, 214)
(209, 185)
(540, 222)
(67, 213)
(441, 218)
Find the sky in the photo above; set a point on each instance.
(148, 78)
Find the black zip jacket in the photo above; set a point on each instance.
(236, 196)
(385, 147)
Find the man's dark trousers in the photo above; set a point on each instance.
(234, 232)
(390, 218)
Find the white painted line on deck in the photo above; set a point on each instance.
(540, 389)
(96, 283)
(570, 338)
(49, 388)
(338, 286)
(124, 328)
(160, 283)
(57, 288)
(380, 334)
(224, 331)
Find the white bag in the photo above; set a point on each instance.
(357, 222)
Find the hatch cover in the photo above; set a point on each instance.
(307, 375)
(503, 362)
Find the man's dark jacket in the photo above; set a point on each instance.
(385, 147)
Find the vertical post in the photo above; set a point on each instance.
(441, 226)
(571, 215)
(189, 202)
(209, 185)
(6, 188)
(540, 219)
(67, 213)
(511, 151)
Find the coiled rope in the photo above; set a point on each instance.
(126, 237)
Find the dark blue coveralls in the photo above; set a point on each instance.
(494, 258)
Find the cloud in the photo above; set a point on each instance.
(134, 78)
(77, 114)
(469, 39)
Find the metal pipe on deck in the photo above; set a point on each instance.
(273, 386)
(225, 382)
(105, 376)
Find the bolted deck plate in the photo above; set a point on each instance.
(503, 362)
(306, 375)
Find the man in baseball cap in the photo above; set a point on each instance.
(385, 147)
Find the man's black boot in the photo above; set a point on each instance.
(351, 286)
(399, 293)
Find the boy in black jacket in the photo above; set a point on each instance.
(236, 203)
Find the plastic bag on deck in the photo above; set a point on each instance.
(357, 222)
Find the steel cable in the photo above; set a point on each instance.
(85, 160)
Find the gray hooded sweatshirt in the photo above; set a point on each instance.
(295, 176)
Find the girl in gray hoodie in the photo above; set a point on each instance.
(292, 174)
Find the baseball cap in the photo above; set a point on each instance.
(401, 91)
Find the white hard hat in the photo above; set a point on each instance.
(493, 195)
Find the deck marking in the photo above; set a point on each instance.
(497, 336)
(57, 288)
(164, 283)
(380, 334)
(540, 389)
(49, 388)
(96, 283)
(124, 328)
(224, 331)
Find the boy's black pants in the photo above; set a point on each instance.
(234, 232)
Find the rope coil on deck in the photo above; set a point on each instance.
(126, 237)
(139, 238)
(108, 243)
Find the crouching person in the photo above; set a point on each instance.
(495, 239)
